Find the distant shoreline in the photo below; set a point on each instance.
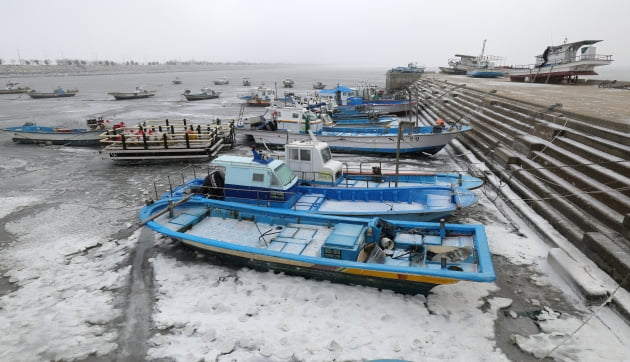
(8, 70)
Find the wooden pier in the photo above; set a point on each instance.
(167, 140)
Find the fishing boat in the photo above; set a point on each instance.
(206, 93)
(406, 257)
(246, 82)
(12, 88)
(34, 134)
(486, 66)
(313, 163)
(270, 182)
(379, 106)
(459, 65)
(221, 81)
(368, 120)
(337, 96)
(260, 96)
(281, 125)
(563, 62)
(288, 83)
(57, 93)
(177, 81)
(319, 85)
(138, 93)
(410, 68)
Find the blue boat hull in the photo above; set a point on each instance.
(485, 74)
(430, 203)
(371, 140)
(458, 180)
(406, 274)
(55, 136)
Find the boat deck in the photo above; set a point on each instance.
(290, 238)
(319, 202)
(341, 241)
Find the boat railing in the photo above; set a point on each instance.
(551, 63)
(178, 184)
(597, 57)
(167, 184)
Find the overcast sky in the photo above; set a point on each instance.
(356, 32)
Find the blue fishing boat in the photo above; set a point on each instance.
(410, 68)
(34, 134)
(271, 183)
(313, 163)
(485, 73)
(368, 119)
(486, 66)
(57, 93)
(380, 106)
(407, 257)
(282, 125)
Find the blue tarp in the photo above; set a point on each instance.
(338, 88)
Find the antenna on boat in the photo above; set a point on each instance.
(483, 49)
(313, 138)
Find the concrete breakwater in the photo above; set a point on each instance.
(571, 169)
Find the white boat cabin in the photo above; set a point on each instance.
(258, 172)
(581, 51)
(313, 162)
(295, 119)
(261, 93)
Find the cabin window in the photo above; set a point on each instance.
(284, 173)
(294, 154)
(258, 177)
(296, 115)
(326, 155)
(305, 155)
(275, 181)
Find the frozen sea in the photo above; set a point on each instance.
(80, 280)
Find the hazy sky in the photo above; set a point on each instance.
(357, 32)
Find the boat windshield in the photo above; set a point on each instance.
(326, 155)
(284, 173)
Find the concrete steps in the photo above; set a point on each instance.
(573, 170)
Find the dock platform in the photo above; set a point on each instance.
(167, 140)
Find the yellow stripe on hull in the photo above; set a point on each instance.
(413, 278)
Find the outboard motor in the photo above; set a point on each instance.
(213, 185)
(376, 171)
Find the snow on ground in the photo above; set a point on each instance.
(206, 311)
(11, 204)
(67, 295)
